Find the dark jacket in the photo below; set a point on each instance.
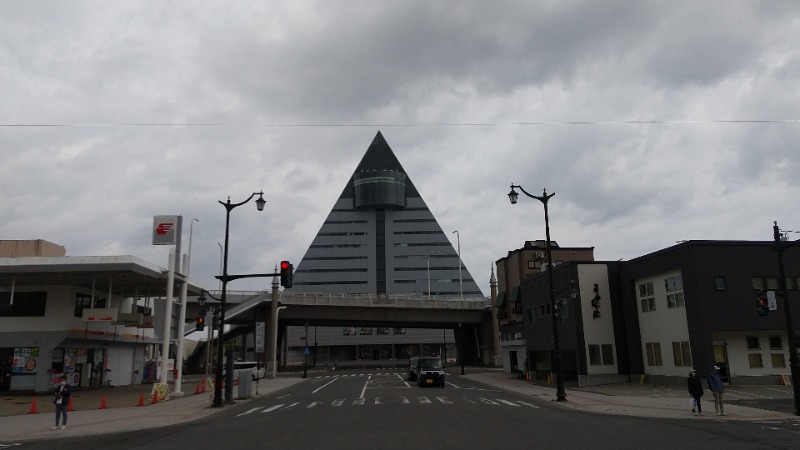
(715, 382)
(695, 387)
(63, 392)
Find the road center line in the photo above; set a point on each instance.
(323, 386)
(365, 387)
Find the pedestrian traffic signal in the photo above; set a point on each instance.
(200, 323)
(286, 274)
(763, 306)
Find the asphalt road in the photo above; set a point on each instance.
(362, 410)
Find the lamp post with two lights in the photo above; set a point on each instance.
(561, 394)
(224, 278)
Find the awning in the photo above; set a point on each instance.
(501, 299)
(514, 295)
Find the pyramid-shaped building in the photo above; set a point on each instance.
(380, 238)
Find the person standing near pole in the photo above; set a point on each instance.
(696, 391)
(716, 387)
(62, 402)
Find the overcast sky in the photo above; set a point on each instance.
(653, 122)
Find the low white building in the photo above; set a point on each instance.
(89, 318)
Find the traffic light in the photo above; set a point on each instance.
(200, 322)
(286, 274)
(215, 321)
(763, 305)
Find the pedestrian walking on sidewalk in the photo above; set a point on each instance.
(62, 402)
(716, 387)
(695, 391)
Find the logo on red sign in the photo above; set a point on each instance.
(163, 228)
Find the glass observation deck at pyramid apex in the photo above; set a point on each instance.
(380, 238)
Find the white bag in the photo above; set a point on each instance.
(693, 402)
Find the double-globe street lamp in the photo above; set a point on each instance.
(260, 202)
(561, 394)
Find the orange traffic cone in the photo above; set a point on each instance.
(155, 398)
(69, 405)
(203, 388)
(103, 402)
(33, 407)
(141, 399)
(196, 388)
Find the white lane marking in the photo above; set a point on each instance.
(359, 401)
(507, 402)
(338, 402)
(528, 404)
(424, 400)
(249, 411)
(292, 405)
(365, 387)
(313, 404)
(378, 401)
(470, 401)
(323, 386)
(487, 401)
(444, 400)
(272, 408)
(404, 400)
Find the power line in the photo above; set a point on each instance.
(403, 125)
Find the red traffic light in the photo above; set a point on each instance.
(200, 323)
(286, 274)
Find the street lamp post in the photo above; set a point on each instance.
(561, 394)
(305, 354)
(794, 363)
(460, 278)
(260, 202)
(275, 341)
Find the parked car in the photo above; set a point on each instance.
(258, 370)
(429, 372)
(412, 369)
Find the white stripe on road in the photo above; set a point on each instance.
(487, 401)
(528, 404)
(424, 400)
(323, 386)
(444, 400)
(506, 402)
(338, 402)
(404, 400)
(365, 387)
(249, 411)
(313, 404)
(359, 401)
(272, 408)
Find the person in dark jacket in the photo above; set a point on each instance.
(696, 391)
(717, 388)
(62, 394)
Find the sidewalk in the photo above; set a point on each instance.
(669, 402)
(121, 414)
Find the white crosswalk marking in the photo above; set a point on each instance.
(292, 405)
(338, 402)
(487, 401)
(378, 401)
(528, 404)
(313, 404)
(249, 411)
(469, 400)
(424, 400)
(506, 402)
(272, 408)
(359, 401)
(444, 400)
(404, 400)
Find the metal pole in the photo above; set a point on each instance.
(223, 298)
(460, 279)
(512, 196)
(305, 354)
(794, 362)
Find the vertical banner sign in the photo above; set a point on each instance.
(166, 230)
(260, 327)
